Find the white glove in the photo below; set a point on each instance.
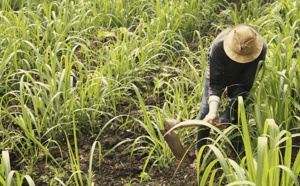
(213, 102)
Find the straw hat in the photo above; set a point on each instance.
(243, 43)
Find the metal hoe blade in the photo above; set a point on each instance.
(174, 142)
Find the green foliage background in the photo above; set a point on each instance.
(67, 65)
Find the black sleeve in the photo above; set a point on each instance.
(216, 67)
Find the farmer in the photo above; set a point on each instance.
(232, 62)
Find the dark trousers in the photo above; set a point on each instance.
(230, 115)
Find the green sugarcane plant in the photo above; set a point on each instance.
(266, 164)
(11, 177)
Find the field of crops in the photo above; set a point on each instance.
(85, 86)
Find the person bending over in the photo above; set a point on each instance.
(232, 62)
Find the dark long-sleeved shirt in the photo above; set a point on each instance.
(224, 72)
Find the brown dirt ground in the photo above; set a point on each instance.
(117, 168)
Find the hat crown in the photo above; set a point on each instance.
(245, 37)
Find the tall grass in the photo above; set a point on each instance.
(266, 165)
(65, 66)
(277, 93)
(11, 177)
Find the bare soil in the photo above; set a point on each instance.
(118, 167)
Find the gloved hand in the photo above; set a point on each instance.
(213, 102)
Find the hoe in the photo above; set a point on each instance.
(173, 140)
